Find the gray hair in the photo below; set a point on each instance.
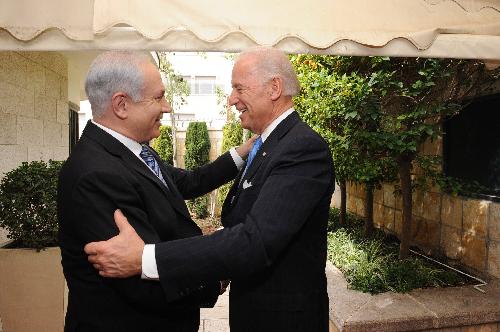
(272, 62)
(112, 72)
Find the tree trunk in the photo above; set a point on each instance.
(174, 137)
(369, 228)
(404, 164)
(343, 203)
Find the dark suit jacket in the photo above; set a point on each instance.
(100, 176)
(273, 246)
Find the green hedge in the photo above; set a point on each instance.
(28, 208)
(232, 135)
(163, 144)
(197, 150)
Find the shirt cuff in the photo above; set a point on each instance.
(149, 269)
(238, 161)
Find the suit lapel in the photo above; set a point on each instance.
(172, 190)
(117, 149)
(265, 152)
(271, 142)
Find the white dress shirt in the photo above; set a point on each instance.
(149, 268)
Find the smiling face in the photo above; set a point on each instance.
(144, 116)
(251, 96)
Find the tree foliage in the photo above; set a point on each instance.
(232, 135)
(341, 106)
(28, 208)
(197, 154)
(164, 146)
(176, 91)
(376, 112)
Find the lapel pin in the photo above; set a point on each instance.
(263, 154)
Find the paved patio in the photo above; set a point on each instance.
(216, 319)
(459, 309)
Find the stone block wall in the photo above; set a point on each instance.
(215, 146)
(463, 229)
(33, 109)
(215, 151)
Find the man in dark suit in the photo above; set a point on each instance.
(273, 246)
(110, 169)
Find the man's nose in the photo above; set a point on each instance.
(232, 100)
(166, 107)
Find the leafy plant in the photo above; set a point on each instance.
(348, 118)
(376, 112)
(371, 264)
(163, 145)
(197, 150)
(232, 135)
(176, 91)
(28, 208)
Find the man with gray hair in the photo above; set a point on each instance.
(273, 245)
(112, 168)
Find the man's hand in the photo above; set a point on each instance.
(120, 256)
(244, 149)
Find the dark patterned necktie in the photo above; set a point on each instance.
(150, 160)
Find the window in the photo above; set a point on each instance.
(201, 85)
(204, 85)
(472, 144)
(73, 125)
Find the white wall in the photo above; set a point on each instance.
(203, 107)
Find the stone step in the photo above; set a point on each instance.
(430, 309)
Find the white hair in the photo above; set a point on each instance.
(271, 63)
(111, 72)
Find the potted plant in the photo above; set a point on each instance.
(32, 284)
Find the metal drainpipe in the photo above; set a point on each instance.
(477, 287)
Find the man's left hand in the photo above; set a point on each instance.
(120, 256)
(244, 149)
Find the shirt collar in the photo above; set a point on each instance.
(269, 129)
(129, 143)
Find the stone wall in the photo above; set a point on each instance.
(463, 229)
(215, 151)
(215, 146)
(33, 108)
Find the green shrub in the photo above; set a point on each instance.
(197, 150)
(28, 208)
(232, 134)
(372, 264)
(164, 146)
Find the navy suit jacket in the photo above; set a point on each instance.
(273, 246)
(100, 176)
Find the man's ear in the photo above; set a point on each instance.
(119, 103)
(276, 88)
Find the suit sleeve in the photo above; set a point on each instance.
(301, 177)
(96, 196)
(202, 180)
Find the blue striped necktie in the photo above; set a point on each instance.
(150, 160)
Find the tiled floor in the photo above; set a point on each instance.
(216, 319)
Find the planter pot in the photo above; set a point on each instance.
(32, 290)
